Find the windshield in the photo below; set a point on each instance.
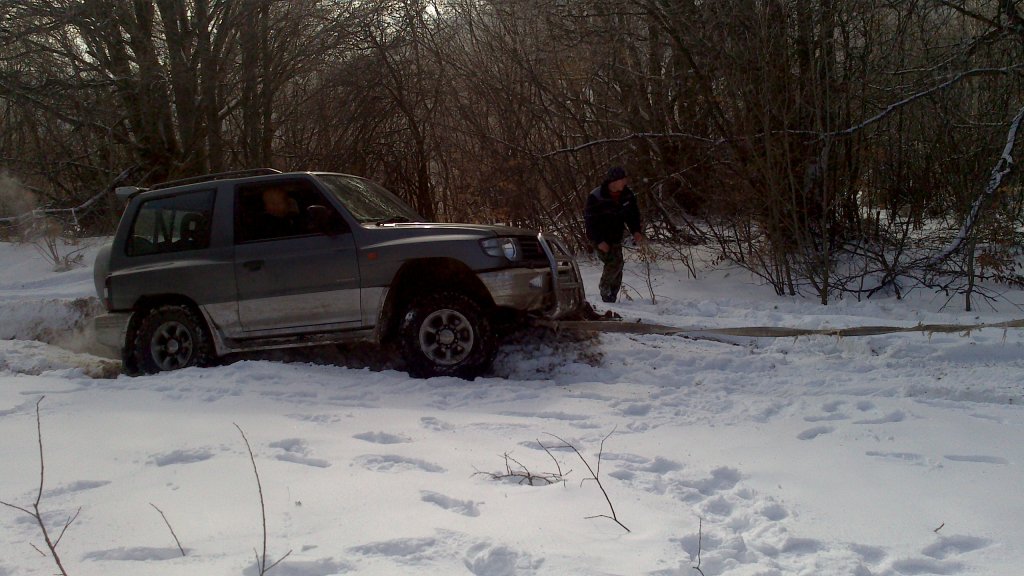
(368, 201)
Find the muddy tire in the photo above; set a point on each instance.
(446, 334)
(170, 338)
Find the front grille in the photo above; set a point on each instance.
(532, 252)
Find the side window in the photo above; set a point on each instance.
(267, 211)
(172, 224)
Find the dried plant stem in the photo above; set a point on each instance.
(261, 559)
(700, 542)
(596, 477)
(35, 513)
(175, 536)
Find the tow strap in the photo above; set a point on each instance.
(640, 327)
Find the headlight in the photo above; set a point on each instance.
(507, 247)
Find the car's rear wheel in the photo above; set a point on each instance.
(446, 334)
(169, 338)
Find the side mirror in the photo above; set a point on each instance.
(320, 218)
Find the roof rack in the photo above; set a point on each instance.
(217, 176)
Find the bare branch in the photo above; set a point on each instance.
(1002, 169)
(629, 137)
(35, 513)
(595, 476)
(553, 459)
(888, 110)
(71, 519)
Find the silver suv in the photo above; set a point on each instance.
(254, 260)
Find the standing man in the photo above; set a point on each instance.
(611, 207)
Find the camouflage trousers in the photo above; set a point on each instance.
(611, 277)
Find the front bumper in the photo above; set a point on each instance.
(554, 291)
(112, 328)
(567, 282)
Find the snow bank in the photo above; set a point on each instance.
(39, 303)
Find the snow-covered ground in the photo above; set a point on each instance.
(893, 454)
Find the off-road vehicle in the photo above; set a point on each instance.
(204, 267)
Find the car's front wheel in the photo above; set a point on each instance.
(446, 334)
(171, 337)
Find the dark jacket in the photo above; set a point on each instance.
(605, 218)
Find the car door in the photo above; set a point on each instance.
(293, 275)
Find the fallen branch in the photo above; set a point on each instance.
(522, 475)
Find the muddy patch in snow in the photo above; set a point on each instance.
(35, 358)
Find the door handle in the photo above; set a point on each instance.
(253, 265)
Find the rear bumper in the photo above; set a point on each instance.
(112, 328)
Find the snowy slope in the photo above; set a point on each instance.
(894, 454)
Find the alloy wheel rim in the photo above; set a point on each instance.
(172, 345)
(446, 337)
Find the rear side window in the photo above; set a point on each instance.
(172, 224)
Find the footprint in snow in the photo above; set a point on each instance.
(304, 460)
(488, 560)
(802, 546)
(717, 506)
(404, 550)
(296, 451)
(722, 479)
(954, 546)
(292, 567)
(926, 566)
(382, 438)
(977, 459)
(135, 554)
(181, 457)
(464, 507)
(395, 463)
(431, 423)
(812, 433)
(907, 457)
(315, 418)
(23, 407)
(890, 418)
(774, 512)
(833, 417)
(552, 415)
(832, 406)
(869, 554)
(75, 487)
(636, 409)
(662, 466)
